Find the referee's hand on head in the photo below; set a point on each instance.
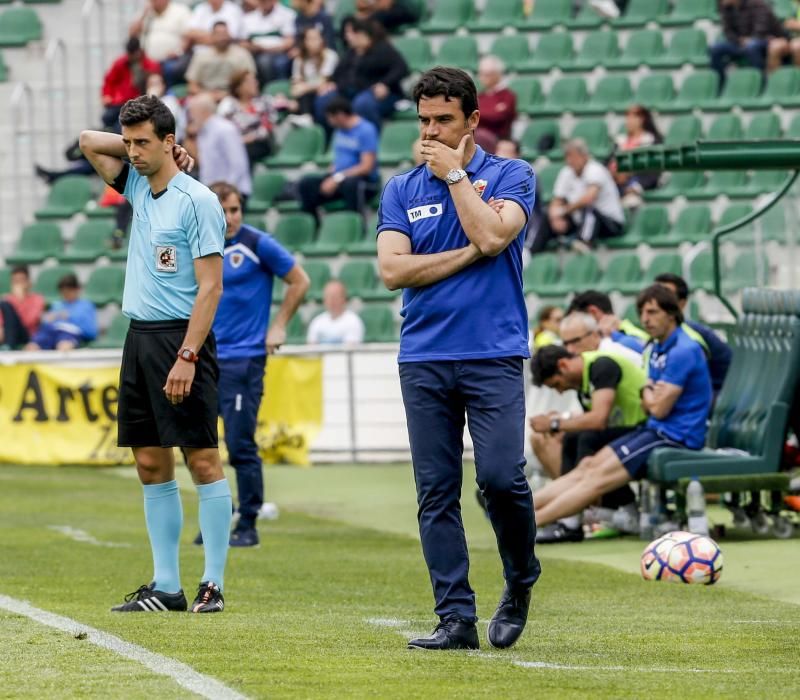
(179, 381)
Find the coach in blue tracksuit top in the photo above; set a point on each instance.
(462, 345)
(252, 261)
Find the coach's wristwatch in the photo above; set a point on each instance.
(455, 175)
(188, 355)
(555, 424)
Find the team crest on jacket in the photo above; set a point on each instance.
(237, 259)
(480, 186)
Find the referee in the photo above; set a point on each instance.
(252, 260)
(168, 378)
(462, 345)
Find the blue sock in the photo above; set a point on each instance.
(163, 514)
(215, 524)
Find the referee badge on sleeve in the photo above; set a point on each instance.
(166, 258)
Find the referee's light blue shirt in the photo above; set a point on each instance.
(478, 313)
(168, 231)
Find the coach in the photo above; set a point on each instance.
(462, 345)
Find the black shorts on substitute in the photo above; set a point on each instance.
(146, 418)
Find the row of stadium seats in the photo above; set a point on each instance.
(20, 25)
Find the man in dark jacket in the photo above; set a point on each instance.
(747, 25)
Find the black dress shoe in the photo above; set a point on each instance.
(558, 532)
(449, 634)
(509, 619)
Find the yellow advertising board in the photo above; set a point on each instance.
(51, 414)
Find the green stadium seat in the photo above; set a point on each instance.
(379, 323)
(681, 183)
(447, 16)
(119, 254)
(341, 10)
(639, 12)
(580, 272)
(301, 145)
(566, 95)
(783, 88)
(529, 94)
(37, 242)
(595, 133)
(649, 221)
(266, 186)
(698, 88)
(258, 221)
(692, 225)
(774, 223)
(114, 336)
(546, 180)
(295, 230)
(642, 47)
(278, 87)
(67, 196)
(416, 50)
(296, 330)
(397, 138)
(586, 18)
(661, 264)
(367, 245)
(687, 47)
(720, 182)
(459, 51)
(541, 273)
(19, 25)
(5, 280)
(623, 272)
(597, 49)
(547, 14)
(701, 271)
(748, 270)
(92, 240)
(741, 85)
(732, 214)
(655, 91)
(531, 138)
(613, 93)
(3, 69)
(683, 130)
(359, 277)
(336, 231)
(513, 50)
(726, 127)
(105, 285)
(793, 132)
(764, 126)
(46, 282)
(496, 16)
(766, 182)
(554, 50)
(687, 12)
(319, 274)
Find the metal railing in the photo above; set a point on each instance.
(59, 129)
(23, 115)
(94, 53)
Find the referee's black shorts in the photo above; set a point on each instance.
(146, 418)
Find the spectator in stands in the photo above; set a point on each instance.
(585, 205)
(252, 113)
(390, 14)
(506, 148)
(640, 131)
(598, 306)
(161, 27)
(313, 68)
(608, 386)
(211, 71)
(786, 48)
(717, 351)
(311, 14)
(221, 154)
(676, 399)
(269, 33)
(336, 325)
(157, 86)
(69, 323)
(354, 173)
(206, 14)
(548, 325)
(125, 80)
(20, 310)
(497, 104)
(747, 26)
(369, 74)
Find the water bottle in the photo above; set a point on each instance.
(696, 508)
(645, 523)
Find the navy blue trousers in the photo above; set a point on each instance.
(241, 385)
(438, 396)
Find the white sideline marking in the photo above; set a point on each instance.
(82, 536)
(185, 676)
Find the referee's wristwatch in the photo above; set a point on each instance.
(188, 355)
(455, 175)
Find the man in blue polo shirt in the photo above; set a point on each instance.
(676, 399)
(354, 173)
(252, 261)
(462, 345)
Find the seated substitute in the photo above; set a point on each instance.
(676, 399)
(598, 305)
(70, 321)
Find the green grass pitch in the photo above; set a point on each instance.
(320, 609)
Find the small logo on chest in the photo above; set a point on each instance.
(426, 211)
(166, 258)
(236, 260)
(480, 186)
